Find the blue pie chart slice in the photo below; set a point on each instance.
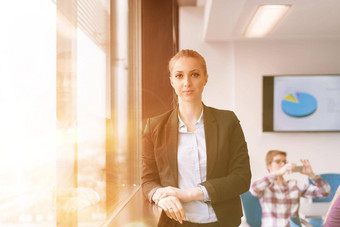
(299, 104)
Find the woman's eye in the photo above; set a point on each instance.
(195, 74)
(178, 75)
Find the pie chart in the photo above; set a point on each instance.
(299, 104)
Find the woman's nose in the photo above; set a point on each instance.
(187, 81)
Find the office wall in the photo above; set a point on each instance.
(236, 70)
(217, 55)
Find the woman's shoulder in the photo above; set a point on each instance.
(220, 113)
(162, 119)
(162, 116)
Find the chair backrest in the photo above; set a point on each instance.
(333, 179)
(252, 209)
(294, 221)
(316, 222)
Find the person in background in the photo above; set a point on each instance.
(195, 162)
(280, 198)
(333, 215)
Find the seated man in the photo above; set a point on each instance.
(280, 198)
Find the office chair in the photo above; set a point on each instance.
(333, 179)
(316, 222)
(294, 221)
(252, 209)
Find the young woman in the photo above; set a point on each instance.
(195, 158)
(279, 198)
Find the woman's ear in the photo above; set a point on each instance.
(206, 79)
(171, 81)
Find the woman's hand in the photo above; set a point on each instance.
(164, 192)
(185, 195)
(307, 168)
(173, 208)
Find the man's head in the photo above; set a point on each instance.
(275, 159)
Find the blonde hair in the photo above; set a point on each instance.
(189, 54)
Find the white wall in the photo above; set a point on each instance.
(236, 70)
(219, 89)
(256, 58)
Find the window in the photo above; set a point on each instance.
(28, 111)
(70, 110)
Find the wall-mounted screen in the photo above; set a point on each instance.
(301, 103)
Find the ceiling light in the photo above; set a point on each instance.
(265, 18)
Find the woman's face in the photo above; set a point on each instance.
(188, 79)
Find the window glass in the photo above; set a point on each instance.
(70, 111)
(28, 112)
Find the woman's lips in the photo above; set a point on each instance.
(187, 92)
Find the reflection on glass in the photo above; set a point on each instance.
(91, 119)
(122, 173)
(82, 77)
(76, 199)
(28, 113)
(60, 144)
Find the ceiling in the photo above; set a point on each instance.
(226, 20)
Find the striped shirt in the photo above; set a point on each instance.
(279, 202)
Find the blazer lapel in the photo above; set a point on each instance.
(171, 135)
(211, 135)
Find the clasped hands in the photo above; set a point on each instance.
(170, 200)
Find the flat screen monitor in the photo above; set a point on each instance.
(301, 103)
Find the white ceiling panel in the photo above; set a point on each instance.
(307, 19)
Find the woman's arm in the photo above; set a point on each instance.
(185, 195)
(150, 176)
(171, 205)
(238, 175)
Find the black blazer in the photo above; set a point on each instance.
(228, 170)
